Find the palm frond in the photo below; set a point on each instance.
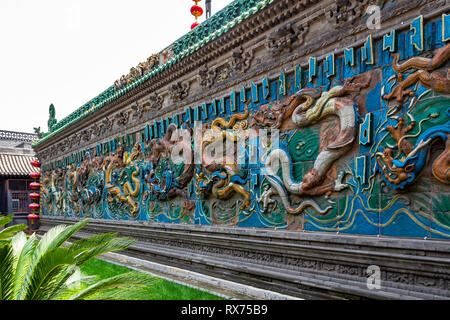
(91, 242)
(5, 220)
(32, 269)
(11, 231)
(6, 271)
(130, 280)
(45, 278)
(60, 282)
(46, 241)
(17, 243)
(79, 277)
(114, 244)
(73, 285)
(23, 249)
(52, 239)
(56, 236)
(69, 232)
(123, 293)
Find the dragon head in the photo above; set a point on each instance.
(396, 173)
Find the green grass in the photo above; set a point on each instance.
(161, 289)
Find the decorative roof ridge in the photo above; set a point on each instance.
(214, 27)
(6, 135)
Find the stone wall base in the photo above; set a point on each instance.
(299, 264)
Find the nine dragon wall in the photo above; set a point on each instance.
(367, 153)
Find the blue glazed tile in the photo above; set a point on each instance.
(274, 90)
(290, 85)
(401, 36)
(388, 83)
(404, 223)
(409, 48)
(387, 58)
(373, 102)
(438, 43)
(202, 213)
(360, 222)
(339, 61)
(429, 36)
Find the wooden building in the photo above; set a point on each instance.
(15, 156)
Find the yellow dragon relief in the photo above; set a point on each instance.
(126, 193)
(53, 190)
(213, 163)
(73, 192)
(46, 180)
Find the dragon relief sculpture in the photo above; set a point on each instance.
(162, 179)
(401, 169)
(220, 174)
(53, 190)
(432, 73)
(401, 172)
(123, 191)
(306, 108)
(73, 194)
(273, 115)
(47, 191)
(85, 183)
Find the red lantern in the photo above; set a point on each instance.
(35, 163)
(34, 206)
(33, 216)
(196, 11)
(35, 196)
(35, 175)
(35, 185)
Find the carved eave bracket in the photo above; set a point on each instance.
(207, 76)
(242, 60)
(179, 90)
(286, 38)
(345, 12)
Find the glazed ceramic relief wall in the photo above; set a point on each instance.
(353, 142)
